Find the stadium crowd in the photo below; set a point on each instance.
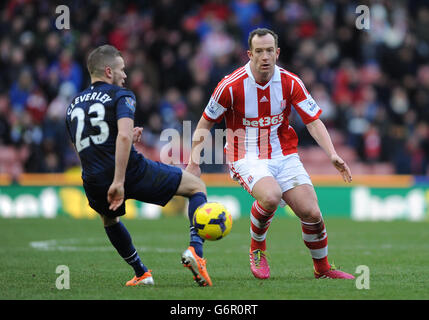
(373, 85)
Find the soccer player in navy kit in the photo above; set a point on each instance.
(100, 122)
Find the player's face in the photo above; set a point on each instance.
(118, 72)
(263, 56)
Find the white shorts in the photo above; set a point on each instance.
(288, 171)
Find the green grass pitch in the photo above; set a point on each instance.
(397, 254)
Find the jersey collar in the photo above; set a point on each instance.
(97, 83)
(275, 78)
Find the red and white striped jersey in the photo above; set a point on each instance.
(257, 115)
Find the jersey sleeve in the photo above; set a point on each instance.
(219, 102)
(125, 104)
(303, 102)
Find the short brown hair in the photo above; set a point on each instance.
(262, 32)
(101, 57)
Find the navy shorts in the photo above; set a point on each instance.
(151, 182)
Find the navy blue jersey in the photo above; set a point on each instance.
(92, 125)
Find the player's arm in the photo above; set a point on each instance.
(319, 132)
(124, 139)
(309, 112)
(204, 126)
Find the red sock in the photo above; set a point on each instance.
(321, 265)
(316, 239)
(260, 220)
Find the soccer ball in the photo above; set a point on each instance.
(212, 221)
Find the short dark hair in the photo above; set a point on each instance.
(262, 32)
(101, 57)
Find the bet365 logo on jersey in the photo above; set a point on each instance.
(263, 121)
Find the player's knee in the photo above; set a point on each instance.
(311, 215)
(196, 185)
(191, 185)
(199, 187)
(270, 201)
(108, 221)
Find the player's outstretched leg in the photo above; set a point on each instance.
(192, 258)
(195, 241)
(121, 240)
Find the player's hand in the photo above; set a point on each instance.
(194, 169)
(137, 134)
(342, 167)
(115, 195)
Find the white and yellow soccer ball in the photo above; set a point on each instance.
(212, 221)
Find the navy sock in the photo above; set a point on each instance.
(196, 241)
(121, 240)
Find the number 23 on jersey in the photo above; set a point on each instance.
(97, 121)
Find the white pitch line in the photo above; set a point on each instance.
(72, 245)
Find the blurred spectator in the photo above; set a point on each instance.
(67, 69)
(372, 144)
(21, 90)
(4, 121)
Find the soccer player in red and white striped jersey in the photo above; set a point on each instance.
(261, 147)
